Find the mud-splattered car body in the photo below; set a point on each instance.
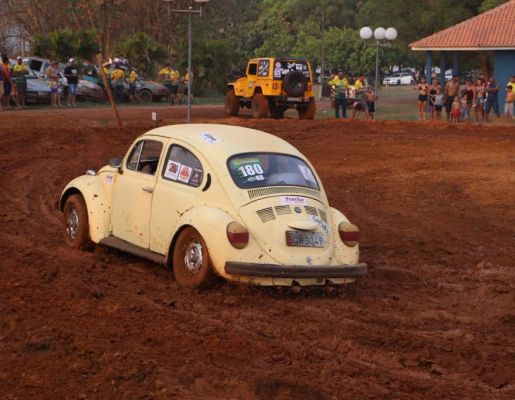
(256, 201)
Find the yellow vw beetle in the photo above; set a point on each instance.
(215, 201)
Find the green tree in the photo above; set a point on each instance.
(63, 44)
(143, 52)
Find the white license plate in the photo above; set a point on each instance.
(294, 99)
(304, 239)
(41, 93)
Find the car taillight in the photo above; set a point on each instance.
(275, 86)
(237, 235)
(349, 234)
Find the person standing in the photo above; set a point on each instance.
(6, 76)
(1, 90)
(510, 99)
(479, 104)
(423, 90)
(492, 100)
(133, 80)
(19, 78)
(53, 81)
(117, 81)
(371, 102)
(71, 72)
(452, 89)
(170, 78)
(433, 90)
(470, 92)
(339, 88)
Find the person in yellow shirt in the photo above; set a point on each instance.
(19, 78)
(339, 91)
(170, 78)
(117, 82)
(133, 79)
(186, 81)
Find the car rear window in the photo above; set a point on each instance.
(253, 170)
(282, 67)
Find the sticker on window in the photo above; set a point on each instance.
(249, 169)
(185, 173)
(196, 177)
(172, 170)
(306, 173)
(209, 137)
(293, 200)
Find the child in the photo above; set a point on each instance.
(455, 110)
(509, 105)
(464, 107)
(437, 102)
(371, 102)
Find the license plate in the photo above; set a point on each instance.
(294, 99)
(41, 93)
(304, 239)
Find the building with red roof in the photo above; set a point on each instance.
(493, 30)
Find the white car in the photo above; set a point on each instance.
(399, 78)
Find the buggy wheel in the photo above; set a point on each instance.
(309, 111)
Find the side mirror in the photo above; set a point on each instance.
(115, 162)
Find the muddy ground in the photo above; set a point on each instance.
(434, 318)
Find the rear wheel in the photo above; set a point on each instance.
(76, 222)
(232, 105)
(309, 111)
(192, 265)
(259, 106)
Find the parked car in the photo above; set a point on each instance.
(146, 91)
(38, 90)
(215, 200)
(399, 78)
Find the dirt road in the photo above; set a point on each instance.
(434, 318)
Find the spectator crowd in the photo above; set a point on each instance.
(468, 102)
(121, 78)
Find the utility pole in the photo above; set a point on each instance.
(190, 11)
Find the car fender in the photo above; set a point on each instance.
(211, 222)
(343, 253)
(99, 209)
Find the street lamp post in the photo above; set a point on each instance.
(190, 11)
(379, 34)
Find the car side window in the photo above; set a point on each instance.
(252, 69)
(183, 167)
(145, 156)
(264, 67)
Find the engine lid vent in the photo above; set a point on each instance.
(266, 214)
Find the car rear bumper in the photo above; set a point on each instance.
(295, 271)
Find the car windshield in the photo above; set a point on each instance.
(253, 170)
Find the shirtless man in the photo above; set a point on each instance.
(452, 89)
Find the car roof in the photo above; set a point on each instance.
(219, 142)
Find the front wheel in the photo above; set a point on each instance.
(192, 265)
(232, 104)
(76, 222)
(309, 111)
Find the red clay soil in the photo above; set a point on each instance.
(433, 319)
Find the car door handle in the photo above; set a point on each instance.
(147, 189)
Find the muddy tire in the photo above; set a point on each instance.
(232, 105)
(309, 111)
(192, 265)
(76, 223)
(259, 107)
(277, 112)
